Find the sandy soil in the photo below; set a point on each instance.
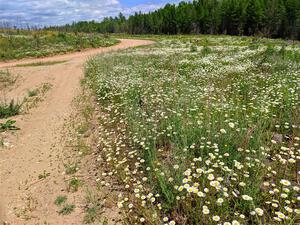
(37, 147)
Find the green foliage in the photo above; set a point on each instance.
(43, 175)
(67, 209)
(192, 136)
(60, 200)
(94, 208)
(254, 15)
(71, 168)
(271, 18)
(8, 110)
(45, 43)
(32, 93)
(193, 48)
(49, 63)
(206, 49)
(8, 125)
(74, 184)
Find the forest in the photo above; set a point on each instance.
(267, 18)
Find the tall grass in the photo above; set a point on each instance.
(45, 43)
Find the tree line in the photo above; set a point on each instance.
(269, 18)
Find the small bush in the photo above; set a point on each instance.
(206, 50)
(193, 48)
(67, 209)
(8, 125)
(74, 185)
(43, 175)
(71, 168)
(11, 109)
(32, 93)
(60, 200)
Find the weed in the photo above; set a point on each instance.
(88, 112)
(206, 50)
(44, 43)
(30, 204)
(91, 215)
(45, 87)
(82, 148)
(49, 63)
(8, 110)
(71, 168)
(60, 200)
(94, 208)
(193, 48)
(83, 128)
(44, 175)
(32, 93)
(105, 221)
(8, 125)
(35, 96)
(74, 184)
(67, 209)
(2, 142)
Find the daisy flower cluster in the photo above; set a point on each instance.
(202, 135)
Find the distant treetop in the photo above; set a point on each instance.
(268, 18)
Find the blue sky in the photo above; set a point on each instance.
(53, 12)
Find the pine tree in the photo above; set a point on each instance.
(275, 14)
(271, 18)
(232, 13)
(293, 18)
(254, 17)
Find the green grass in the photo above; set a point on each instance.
(21, 44)
(185, 131)
(74, 184)
(9, 109)
(43, 175)
(67, 209)
(61, 199)
(48, 63)
(8, 125)
(32, 93)
(95, 208)
(71, 168)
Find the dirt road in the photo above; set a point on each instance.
(36, 149)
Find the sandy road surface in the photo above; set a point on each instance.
(24, 199)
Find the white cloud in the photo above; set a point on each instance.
(51, 12)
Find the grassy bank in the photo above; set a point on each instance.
(22, 44)
(202, 130)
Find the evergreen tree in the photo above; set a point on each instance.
(293, 18)
(271, 18)
(275, 15)
(254, 16)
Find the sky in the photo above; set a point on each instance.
(58, 12)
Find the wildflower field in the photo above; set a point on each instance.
(17, 44)
(201, 130)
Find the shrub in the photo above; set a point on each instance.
(11, 109)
